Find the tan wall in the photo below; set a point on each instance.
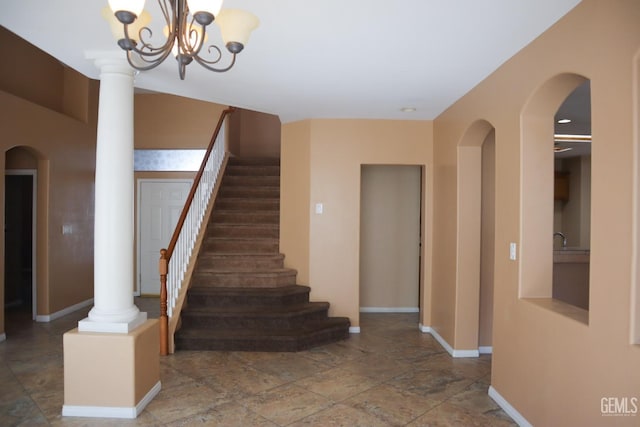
(65, 149)
(551, 368)
(51, 111)
(254, 134)
(30, 74)
(329, 153)
(295, 204)
(168, 121)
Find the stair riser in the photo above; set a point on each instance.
(227, 217)
(240, 246)
(201, 301)
(254, 322)
(249, 180)
(253, 192)
(248, 204)
(244, 280)
(267, 343)
(244, 161)
(240, 263)
(222, 230)
(239, 170)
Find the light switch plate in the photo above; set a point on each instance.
(319, 208)
(512, 251)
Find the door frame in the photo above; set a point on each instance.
(139, 181)
(34, 212)
(420, 247)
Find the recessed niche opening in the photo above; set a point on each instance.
(572, 199)
(556, 197)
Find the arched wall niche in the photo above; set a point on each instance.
(536, 185)
(470, 194)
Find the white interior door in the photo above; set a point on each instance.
(160, 203)
(390, 238)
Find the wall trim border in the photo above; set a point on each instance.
(354, 329)
(111, 411)
(389, 309)
(506, 407)
(453, 352)
(58, 314)
(485, 349)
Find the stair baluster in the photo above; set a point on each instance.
(178, 258)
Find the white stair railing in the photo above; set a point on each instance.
(177, 258)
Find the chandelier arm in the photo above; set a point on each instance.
(212, 61)
(152, 63)
(205, 63)
(147, 53)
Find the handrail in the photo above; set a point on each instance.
(166, 254)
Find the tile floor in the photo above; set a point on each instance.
(388, 375)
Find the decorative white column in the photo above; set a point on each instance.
(114, 310)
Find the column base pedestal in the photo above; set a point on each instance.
(111, 375)
(86, 325)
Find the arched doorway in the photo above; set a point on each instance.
(475, 245)
(20, 213)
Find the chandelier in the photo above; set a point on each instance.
(185, 33)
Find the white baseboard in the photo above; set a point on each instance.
(506, 407)
(109, 411)
(389, 309)
(446, 345)
(64, 312)
(3, 337)
(354, 329)
(485, 349)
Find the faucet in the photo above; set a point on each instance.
(564, 238)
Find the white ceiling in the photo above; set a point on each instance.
(323, 58)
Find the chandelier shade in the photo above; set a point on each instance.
(184, 34)
(236, 26)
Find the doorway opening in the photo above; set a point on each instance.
(390, 238)
(160, 203)
(19, 246)
(475, 241)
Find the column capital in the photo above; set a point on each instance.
(113, 61)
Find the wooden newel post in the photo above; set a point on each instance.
(164, 319)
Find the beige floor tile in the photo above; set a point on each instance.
(336, 353)
(286, 404)
(144, 420)
(394, 406)
(183, 401)
(448, 415)
(390, 374)
(340, 416)
(436, 384)
(242, 379)
(377, 366)
(290, 367)
(227, 415)
(21, 411)
(337, 384)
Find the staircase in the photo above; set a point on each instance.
(242, 298)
